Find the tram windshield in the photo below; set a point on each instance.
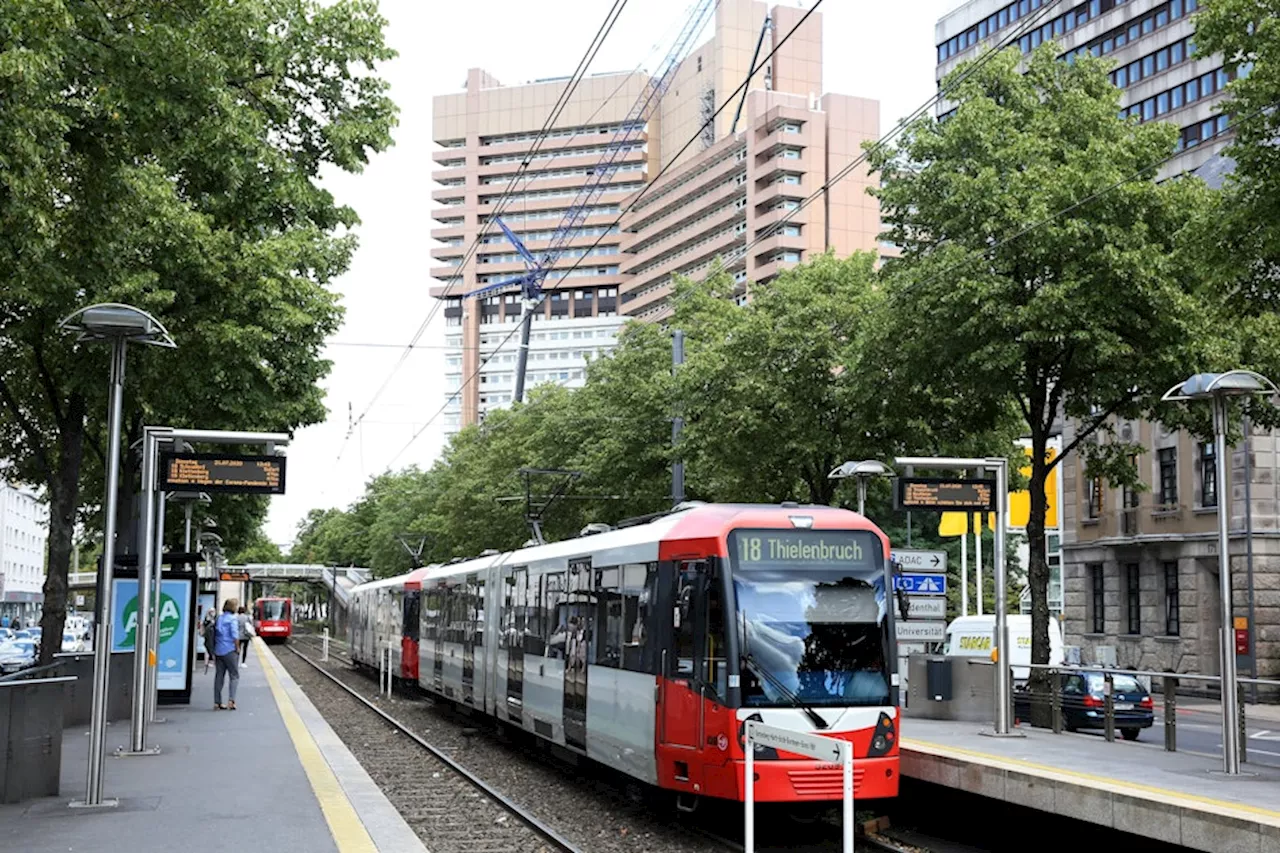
(271, 609)
(811, 617)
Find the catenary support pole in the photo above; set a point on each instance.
(142, 612)
(977, 558)
(677, 424)
(153, 636)
(1004, 686)
(964, 567)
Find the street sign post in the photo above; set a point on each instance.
(926, 607)
(921, 632)
(921, 561)
(817, 747)
(918, 583)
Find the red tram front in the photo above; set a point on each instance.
(273, 618)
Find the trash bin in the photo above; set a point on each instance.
(31, 713)
(938, 679)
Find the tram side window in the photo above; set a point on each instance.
(639, 591)
(609, 607)
(535, 640)
(551, 611)
(453, 600)
(477, 610)
(508, 635)
(430, 613)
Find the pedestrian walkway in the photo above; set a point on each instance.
(271, 775)
(1174, 797)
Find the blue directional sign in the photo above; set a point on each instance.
(918, 583)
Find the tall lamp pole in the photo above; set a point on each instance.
(118, 325)
(1217, 388)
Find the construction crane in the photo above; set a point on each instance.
(538, 268)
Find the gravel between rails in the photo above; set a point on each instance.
(595, 815)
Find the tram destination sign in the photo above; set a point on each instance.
(775, 548)
(215, 472)
(944, 494)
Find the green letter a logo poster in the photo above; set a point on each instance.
(170, 619)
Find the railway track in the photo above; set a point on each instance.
(450, 808)
(616, 821)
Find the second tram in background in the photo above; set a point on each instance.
(273, 618)
(648, 647)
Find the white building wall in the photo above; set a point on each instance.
(24, 534)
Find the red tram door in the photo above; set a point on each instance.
(680, 715)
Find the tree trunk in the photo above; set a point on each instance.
(64, 500)
(1038, 581)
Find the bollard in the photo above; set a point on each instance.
(1109, 707)
(1055, 701)
(324, 646)
(1244, 729)
(1170, 714)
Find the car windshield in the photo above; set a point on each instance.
(1119, 684)
(272, 610)
(811, 617)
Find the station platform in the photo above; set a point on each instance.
(1176, 797)
(271, 775)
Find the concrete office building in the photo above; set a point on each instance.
(1150, 42)
(24, 532)
(730, 183)
(790, 139)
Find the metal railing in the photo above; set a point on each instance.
(1169, 682)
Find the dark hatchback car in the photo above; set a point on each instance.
(1083, 705)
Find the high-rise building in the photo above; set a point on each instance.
(1151, 43)
(735, 178)
(24, 532)
(1140, 565)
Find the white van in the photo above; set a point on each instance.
(971, 636)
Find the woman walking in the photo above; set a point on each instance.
(245, 623)
(226, 644)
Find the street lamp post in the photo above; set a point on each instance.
(863, 471)
(1217, 388)
(117, 324)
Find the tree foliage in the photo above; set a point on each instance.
(166, 154)
(1043, 267)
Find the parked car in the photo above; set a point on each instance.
(1083, 703)
(71, 642)
(6, 634)
(16, 655)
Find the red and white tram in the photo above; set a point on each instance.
(646, 648)
(273, 618)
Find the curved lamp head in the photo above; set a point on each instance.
(112, 320)
(865, 468)
(1233, 383)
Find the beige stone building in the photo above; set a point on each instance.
(722, 188)
(1141, 566)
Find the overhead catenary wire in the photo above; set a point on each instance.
(631, 205)
(556, 110)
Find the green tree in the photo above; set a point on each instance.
(257, 549)
(166, 154)
(1026, 280)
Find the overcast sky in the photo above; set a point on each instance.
(876, 50)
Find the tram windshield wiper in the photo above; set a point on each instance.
(791, 698)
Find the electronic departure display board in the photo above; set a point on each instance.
(222, 472)
(945, 494)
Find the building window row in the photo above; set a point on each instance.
(682, 181)
(573, 234)
(1202, 87)
(549, 174)
(1156, 62)
(647, 242)
(1202, 131)
(562, 132)
(568, 192)
(558, 213)
(558, 153)
(734, 177)
(1132, 30)
(515, 257)
(1015, 12)
(668, 256)
(1131, 575)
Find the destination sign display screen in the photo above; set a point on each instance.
(777, 548)
(233, 576)
(944, 494)
(213, 472)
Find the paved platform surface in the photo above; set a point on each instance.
(1137, 787)
(271, 775)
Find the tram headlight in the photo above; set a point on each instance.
(883, 738)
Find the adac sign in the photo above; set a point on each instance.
(170, 619)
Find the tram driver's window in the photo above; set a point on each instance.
(686, 596)
(714, 666)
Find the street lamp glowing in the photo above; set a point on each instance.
(1217, 388)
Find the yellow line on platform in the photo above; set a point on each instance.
(345, 826)
(1120, 784)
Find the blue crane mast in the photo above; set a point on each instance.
(539, 267)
